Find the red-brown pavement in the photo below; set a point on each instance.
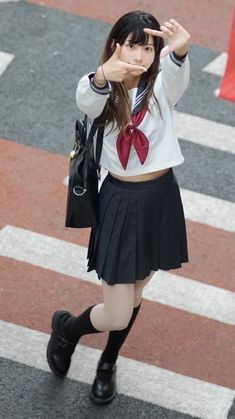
(174, 339)
(209, 21)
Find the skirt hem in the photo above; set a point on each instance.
(133, 280)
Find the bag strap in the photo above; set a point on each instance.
(99, 143)
(99, 140)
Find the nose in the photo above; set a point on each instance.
(138, 55)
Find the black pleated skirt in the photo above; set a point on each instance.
(141, 229)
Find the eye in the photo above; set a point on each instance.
(149, 49)
(131, 46)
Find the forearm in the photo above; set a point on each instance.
(99, 77)
(174, 76)
(91, 98)
(182, 51)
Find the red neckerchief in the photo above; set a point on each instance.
(133, 135)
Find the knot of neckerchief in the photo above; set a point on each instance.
(133, 135)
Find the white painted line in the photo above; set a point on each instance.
(217, 66)
(46, 252)
(70, 259)
(135, 379)
(192, 296)
(208, 210)
(205, 132)
(5, 60)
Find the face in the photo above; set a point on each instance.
(138, 54)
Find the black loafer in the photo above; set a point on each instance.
(59, 349)
(104, 391)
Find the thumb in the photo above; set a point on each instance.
(166, 50)
(117, 51)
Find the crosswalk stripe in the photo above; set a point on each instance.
(70, 259)
(217, 66)
(5, 60)
(209, 210)
(205, 132)
(192, 296)
(135, 379)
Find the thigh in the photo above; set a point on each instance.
(118, 301)
(140, 284)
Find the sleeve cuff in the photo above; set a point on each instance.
(178, 60)
(105, 90)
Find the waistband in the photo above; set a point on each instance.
(168, 177)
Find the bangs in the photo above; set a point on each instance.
(132, 26)
(135, 32)
(138, 36)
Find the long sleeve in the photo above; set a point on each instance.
(90, 99)
(174, 76)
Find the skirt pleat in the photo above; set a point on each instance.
(99, 239)
(117, 256)
(141, 229)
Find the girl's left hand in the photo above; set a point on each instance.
(176, 36)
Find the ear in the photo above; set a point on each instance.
(113, 46)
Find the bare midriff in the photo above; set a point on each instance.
(143, 177)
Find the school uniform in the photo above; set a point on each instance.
(141, 224)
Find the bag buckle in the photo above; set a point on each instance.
(79, 190)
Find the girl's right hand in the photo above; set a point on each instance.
(117, 70)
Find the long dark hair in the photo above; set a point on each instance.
(118, 106)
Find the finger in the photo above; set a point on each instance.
(174, 22)
(165, 51)
(117, 51)
(170, 26)
(132, 67)
(166, 30)
(153, 32)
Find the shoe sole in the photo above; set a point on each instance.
(99, 401)
(54, 322)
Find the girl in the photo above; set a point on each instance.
(142, 226)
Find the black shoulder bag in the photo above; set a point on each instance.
(84, 173)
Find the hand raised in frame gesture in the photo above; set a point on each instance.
(176, 36)
(117, 70)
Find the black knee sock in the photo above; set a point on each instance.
(76, 327)
(116, 339)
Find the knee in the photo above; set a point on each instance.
(122, 324)
(119, 321)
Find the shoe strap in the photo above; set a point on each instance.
(64, 343)
(106, 366)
